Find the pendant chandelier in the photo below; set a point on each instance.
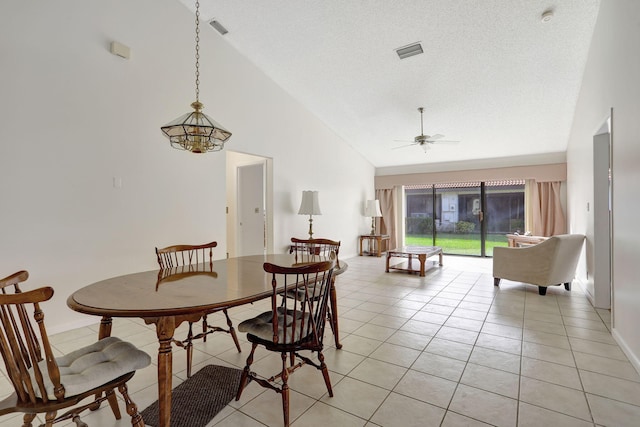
(195, 131)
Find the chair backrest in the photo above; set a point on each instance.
(313, 250)
(26, 351)
(300, 321)
(178, 255)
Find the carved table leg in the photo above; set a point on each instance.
(334, 312)
(165, 327)
(422, 258)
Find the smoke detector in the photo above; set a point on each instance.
(546, 16)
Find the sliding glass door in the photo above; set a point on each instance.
(464, 218)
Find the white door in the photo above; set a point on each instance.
(251, 227)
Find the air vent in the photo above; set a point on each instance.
(218, 26)
(411, 50)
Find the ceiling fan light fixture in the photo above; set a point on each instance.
(410, 50)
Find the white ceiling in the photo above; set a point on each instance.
(492, 75)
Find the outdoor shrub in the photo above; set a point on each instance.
(464, 227)
(420, 225)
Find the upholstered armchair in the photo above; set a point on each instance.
(549, 263)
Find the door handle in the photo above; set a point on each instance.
(480, 216)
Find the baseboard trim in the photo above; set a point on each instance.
(76, 324)
(635, 361)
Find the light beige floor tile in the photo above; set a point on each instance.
(456, 334)
(381, 374)
(485, 406)
(493, 380)
(356, 314)
(398, 410)
(496, 359)
(551, 372)
(494, 342)
(356, 397)
(375, 332)
(424, 328)
(267, 407)
(514, 321)
(388, 321)
(596, 325)
(597, 348)
(236, 419)
(557, 398)
(321, 415)
(360, 345)
(409, 339)
(547, 353)
(589, 334)
(455, 350)
(607, 412)
(552, 328)
(611, 387)
(309, 381)
(425, 316)
(545, 338)
(440, 366)
(502, 330)
(468, 305)
(451, 419)
(427, 388)
(341, 361)
(438, 309)
(604, 365)
(469, 314)
(462, 323)
(534, 416)
(395, 354)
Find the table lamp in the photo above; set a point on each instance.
(310, 206)
(372, 209)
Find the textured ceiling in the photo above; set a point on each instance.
(492, 76)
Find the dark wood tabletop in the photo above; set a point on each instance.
(167, 298)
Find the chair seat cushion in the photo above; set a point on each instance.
(262, 326)
(95, 365)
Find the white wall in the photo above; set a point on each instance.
(612, 80)
(75, 116)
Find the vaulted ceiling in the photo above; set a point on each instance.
(493, 75)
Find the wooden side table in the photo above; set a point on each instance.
(517, 240)
(378, 239)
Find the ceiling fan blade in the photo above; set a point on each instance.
(404, 146)
(436, 136)
(443, 141)
(403, 140)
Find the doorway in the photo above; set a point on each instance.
(249, 205)
(600, 260)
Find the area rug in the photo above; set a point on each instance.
(198, 399)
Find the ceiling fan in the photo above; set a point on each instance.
(424, 140)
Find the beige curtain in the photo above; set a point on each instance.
(386, 224)
(548, 217)
(529, 188)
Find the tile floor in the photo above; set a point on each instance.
(447, 350)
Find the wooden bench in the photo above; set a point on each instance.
(420, 252)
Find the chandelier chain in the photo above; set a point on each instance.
(197, 51)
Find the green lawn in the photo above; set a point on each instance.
(458, 244)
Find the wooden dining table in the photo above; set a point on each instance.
(166, 298)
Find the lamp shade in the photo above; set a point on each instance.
(372, 208)
(309, 204)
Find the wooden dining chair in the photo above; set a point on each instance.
(46, 384)
(295, 326)
(176, 256)
(313, 250)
